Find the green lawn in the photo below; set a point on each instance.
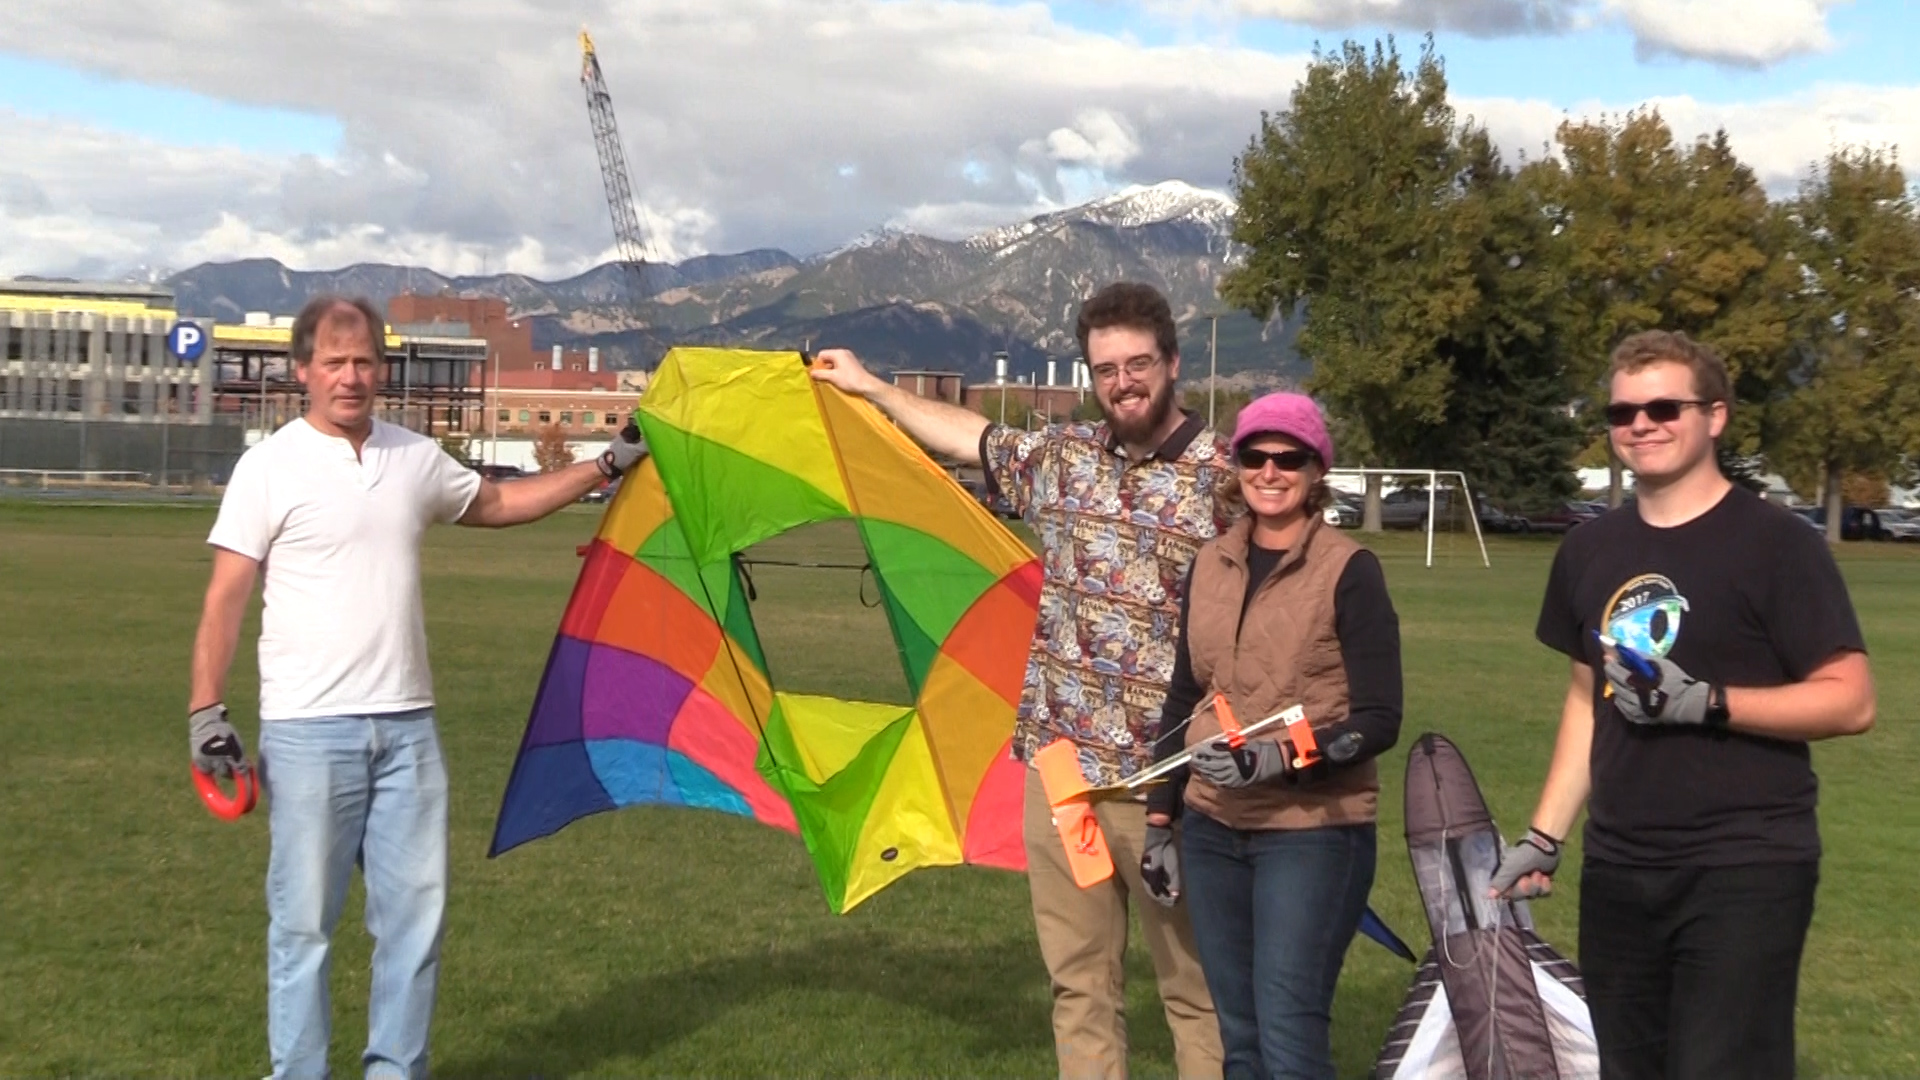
(684, 942)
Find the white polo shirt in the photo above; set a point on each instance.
(342, 632)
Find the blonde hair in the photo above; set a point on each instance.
(1648, 347)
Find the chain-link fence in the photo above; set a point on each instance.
(40, 453)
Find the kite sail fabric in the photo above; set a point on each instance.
(1492, 1001)
(657, 691)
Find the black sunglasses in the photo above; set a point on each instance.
(1285, 460)
(1659, 410)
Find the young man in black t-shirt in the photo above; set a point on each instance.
(1725, 643)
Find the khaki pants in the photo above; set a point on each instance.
(1083, 938)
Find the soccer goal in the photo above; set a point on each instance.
(1434, 478)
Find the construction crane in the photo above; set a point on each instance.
(627, 232)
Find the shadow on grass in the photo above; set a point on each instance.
(977, 989)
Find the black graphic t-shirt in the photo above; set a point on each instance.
(1743, 595)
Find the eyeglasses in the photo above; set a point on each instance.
(1285, 460)
(1136, 367)
(1659, 410)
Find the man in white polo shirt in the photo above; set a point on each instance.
(330, 510)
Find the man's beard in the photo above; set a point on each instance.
(1159, 404)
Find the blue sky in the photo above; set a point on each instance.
(133, 134)
(42, 88)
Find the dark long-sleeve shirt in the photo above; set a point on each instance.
(1369, 632)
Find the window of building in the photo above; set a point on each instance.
(506, 415)
(613, 419)
(545, 416)
(539, 365)
(566, 418)
(525, 415)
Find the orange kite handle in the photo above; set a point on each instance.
(1306, 749)
(246, 792)
(1229, 724)
(1067, 796)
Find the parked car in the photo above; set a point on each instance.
(1343, 512)
(500, 472)
(1566, 516)
(1856, 523)
(1901, 525)
(1494, 519)
(998, 504)
(1407, 509)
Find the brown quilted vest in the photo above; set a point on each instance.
(1284, 651)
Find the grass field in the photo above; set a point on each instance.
(681, 942)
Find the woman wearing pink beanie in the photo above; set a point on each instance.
(1277, 838)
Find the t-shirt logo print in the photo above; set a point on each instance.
(1644, 615)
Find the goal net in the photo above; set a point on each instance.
(1447, 495)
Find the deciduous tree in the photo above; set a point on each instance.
(1650, 234)
(1846, 404)
(551, 451)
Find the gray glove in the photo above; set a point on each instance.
(628, 449)
(1536, 853)
(1663, 695)
(215, 745)
(1160, 866)
(1257, 762)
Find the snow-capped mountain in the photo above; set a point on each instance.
(1130, 208)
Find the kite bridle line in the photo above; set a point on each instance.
(744, 565)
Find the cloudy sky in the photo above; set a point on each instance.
(454, 135)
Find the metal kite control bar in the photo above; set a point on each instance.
(1293, 715)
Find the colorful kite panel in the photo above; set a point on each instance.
(657, 691)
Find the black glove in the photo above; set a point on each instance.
(628, 449)
(215, 745)
(1160, 866)
(1255, 762)
(1536, 853)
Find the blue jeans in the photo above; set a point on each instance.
(1273, 913)
(347, 789)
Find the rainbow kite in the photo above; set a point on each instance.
(657, 691)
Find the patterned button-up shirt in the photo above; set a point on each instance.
(1117, 537)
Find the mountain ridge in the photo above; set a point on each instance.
(912, 300)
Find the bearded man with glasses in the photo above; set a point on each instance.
(1120, 507)
(1725, 642)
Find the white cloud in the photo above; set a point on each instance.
(1782, 139)
(1746, 33)
(795, 123)
(1485, 17)
(788, 123)
(1098, 139)
(1753, 33)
